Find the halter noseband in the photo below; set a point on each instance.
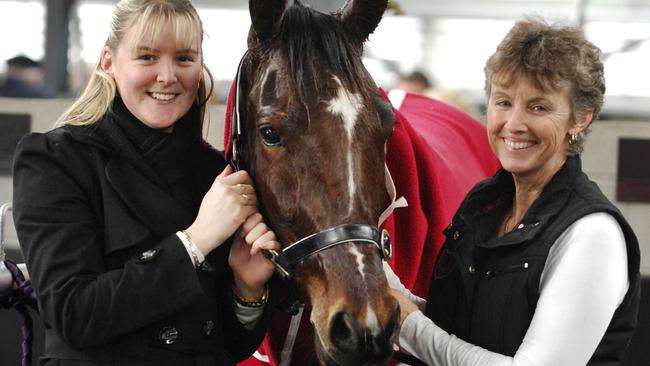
(287, 258)
(312, 244)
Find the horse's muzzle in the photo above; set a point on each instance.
(357, 345)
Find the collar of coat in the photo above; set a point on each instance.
(488, 201)
(139, 186)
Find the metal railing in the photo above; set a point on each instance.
(6, 280)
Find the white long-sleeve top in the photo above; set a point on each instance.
(583, 281)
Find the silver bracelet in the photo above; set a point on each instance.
(193, 250)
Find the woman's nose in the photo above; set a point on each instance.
(166, 72)
(516, 119)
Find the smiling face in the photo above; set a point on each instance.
(529, 128)
(157, 77)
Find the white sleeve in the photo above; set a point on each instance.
(583, 282)
(395, 283)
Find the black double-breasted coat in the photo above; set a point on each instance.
(97, 223)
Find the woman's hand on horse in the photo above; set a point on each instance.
(225, 207)
(406, 306)
(251, 269)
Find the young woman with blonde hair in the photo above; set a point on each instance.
(127, 217)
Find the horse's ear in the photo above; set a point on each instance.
(364, 15)
(265, 17)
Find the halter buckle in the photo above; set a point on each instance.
(272, 255)
(386, 245)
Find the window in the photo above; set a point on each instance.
(22, 25)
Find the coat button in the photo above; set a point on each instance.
(208, 326)
(471, 269)
(148, 255)
(456, 235)
(168, 335)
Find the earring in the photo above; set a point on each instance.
(573, 138)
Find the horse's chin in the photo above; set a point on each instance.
(334, 358)
(327, 358)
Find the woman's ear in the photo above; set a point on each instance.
(106, 61)
(583, 120)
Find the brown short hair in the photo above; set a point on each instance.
(551, 55)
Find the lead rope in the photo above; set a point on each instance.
(19, 297)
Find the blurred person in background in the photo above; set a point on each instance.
(418, 82)
(414, 82)
(24, 78)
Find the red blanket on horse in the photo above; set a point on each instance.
(435, 155)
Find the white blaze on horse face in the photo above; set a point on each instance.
(359, 256)
(371, 321)
(347, 105)
(371, 317)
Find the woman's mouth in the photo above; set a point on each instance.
(162, 96)
(517, 145)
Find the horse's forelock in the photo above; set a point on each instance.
(306, 35)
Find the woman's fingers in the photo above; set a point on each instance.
(258, 235)
(267, 241)
(256, 232)
(247, 199)
(251, 222)
(225, 172)
(224, 208)
(238, 177)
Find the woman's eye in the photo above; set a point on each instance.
(146, 57)
(270, 136)
(539, 109)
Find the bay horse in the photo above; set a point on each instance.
(311, 128)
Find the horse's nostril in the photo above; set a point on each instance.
(361, 345)
(393, 323)
(343, 332)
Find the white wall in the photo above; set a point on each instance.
(44, 113)
(599, 159)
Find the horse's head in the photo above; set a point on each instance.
(315, 129)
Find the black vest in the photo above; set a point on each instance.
(485, 289)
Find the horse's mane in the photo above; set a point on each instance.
(307, 35)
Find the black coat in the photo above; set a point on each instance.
(115, 285)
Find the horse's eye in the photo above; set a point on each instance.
(270, 136)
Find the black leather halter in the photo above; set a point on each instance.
(287, 258)
(312, 244)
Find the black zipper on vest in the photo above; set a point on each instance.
(496, 272)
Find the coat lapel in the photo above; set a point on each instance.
(150, 203)
(139, 186)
